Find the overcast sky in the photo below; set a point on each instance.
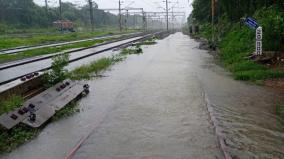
(148, 5)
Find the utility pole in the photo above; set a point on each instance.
(46, 6)
(173, 18)
(126, 20)
(60, 10)
(144, 21)
(91, 14)
(60, 15)
(134, 21)
(167, 16)
(213, 19)
(119, 8)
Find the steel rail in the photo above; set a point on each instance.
(34, 59)
(32, 47)
(88, 55)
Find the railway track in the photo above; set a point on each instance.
(16, 70)
(26, 48)
(42, 57)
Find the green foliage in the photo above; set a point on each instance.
(57, 73)
(20, 15)
(151, 41)
(67, 111)
(9, 140)
(272, 21)
(25, 14)
(233, 9)
(132, 50)
(10, 104)
(205, 31)
(202, 11)
(86, 71)
(235, 46)
(281, 111)
(44, 51)
(46, 38)
(253, 75)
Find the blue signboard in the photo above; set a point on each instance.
(251, 23)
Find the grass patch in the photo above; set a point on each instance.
(67, 111)
(94, 68)
(86, 71)
(151, 41)
(281, 111)
(11, 139)
(10, 104)
(252, 75)
(48, 38)
(49, 50)
(132, 50)
(148, 42)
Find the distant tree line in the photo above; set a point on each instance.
(27, 14)
(233, 9)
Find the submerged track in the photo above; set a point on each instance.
(15, 70)
(26, 48)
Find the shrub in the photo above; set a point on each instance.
(281, 111)
(57, 73)
(272, 21)
(10, 104)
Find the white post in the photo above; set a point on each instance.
(258, 38)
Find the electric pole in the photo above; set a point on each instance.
(91, 14)
(60, 10)
(213, 4)
(144, 20)
(173, 18)
(167, 16)
(60, 15)
(119, 8)
(126, 20)
(46, 6)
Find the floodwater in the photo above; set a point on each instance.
(155, 106)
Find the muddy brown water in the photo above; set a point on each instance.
(152, 106)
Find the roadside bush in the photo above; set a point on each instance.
(253, 75)
(281, 111)
(10, 104)
(272, 21)
(57, 73)
(3, 28)
(205, 31)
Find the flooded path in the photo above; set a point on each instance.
(155, 106)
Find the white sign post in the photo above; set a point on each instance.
(258, 43)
